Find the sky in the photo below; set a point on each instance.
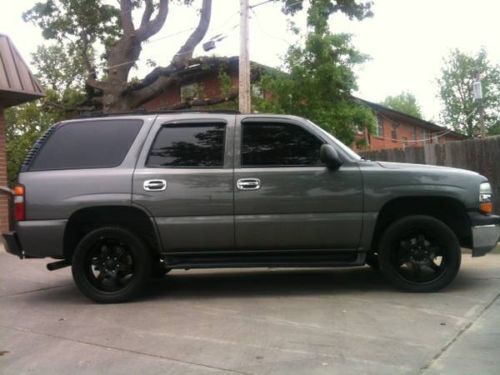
(406, 40)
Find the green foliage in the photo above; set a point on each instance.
(226, 85)
(320, 79)
(494, 129)
(76, 21)
(24, 125)
(404, 102)
(458, 75)
(354, 9)
(58, 69)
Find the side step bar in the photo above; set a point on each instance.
(271, 260)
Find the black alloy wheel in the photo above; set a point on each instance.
(111, 264)
(420, 254)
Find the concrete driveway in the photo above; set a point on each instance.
(321, 321)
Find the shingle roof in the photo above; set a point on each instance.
(17, 83)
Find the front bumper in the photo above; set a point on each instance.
(12, 244)
(485, 233)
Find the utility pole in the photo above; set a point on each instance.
(477, 90)
(244, 97)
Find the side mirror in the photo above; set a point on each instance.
(329, 155)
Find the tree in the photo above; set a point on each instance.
(460, 110)
(320, 78)
(85, 27)
(404, 102)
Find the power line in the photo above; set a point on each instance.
(259, 25)
(166, 37)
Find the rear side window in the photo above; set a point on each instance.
(188, 146)
(274, 144)
(87, 144)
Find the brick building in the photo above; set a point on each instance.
(399, 130)
(17, 85)
(201, 84)
(211, 81)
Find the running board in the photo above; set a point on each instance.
(350, 259)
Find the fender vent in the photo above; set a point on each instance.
(31, 155)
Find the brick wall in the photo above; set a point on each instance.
(406, 136)
(4, 210)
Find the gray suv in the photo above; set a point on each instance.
(126, 197)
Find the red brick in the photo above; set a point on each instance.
(4, 217)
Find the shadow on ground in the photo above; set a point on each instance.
(263, 283)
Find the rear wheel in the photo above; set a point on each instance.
(111, 264)
(419, 254)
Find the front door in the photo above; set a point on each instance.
(285, 198)
(184, 178)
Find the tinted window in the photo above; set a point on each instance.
(193, 145)
(87, 144)
(278, 144)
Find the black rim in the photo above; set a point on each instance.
(419, 257)
(110, 265)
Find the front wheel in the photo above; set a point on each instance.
(419, 254)
(111, 264)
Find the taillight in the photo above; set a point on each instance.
(19, 203)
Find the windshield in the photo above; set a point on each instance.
(346, 149)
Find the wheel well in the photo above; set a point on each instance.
(85, 220)
(448, 210)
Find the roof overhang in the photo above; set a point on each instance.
(17, 84)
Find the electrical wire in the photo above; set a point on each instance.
(259, 25)
(162, 38)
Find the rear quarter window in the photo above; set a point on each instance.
(87, 144)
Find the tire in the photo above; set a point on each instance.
(419, 254)
(111, 265)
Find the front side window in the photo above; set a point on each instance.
(188, 146)
(275, 144)
(87, 144)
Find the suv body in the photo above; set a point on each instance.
(231, 190)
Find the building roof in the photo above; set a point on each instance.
(17, 83)
(403, 117)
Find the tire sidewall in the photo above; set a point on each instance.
(141, 259)
(447, 240)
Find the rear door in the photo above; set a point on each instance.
(184, 178)
(285, 198)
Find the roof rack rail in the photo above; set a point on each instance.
(156, 112)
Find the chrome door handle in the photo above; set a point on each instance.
(248, 184)
(154, 185)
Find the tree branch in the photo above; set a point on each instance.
(126, 17)
(185, 53)
(151, 27)
(89, 66)
(148, 12)
(206, 102)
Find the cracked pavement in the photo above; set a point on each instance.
(251, 321)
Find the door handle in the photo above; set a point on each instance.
(154, 185)
(248, 184)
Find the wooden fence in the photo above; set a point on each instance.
(479, 155)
